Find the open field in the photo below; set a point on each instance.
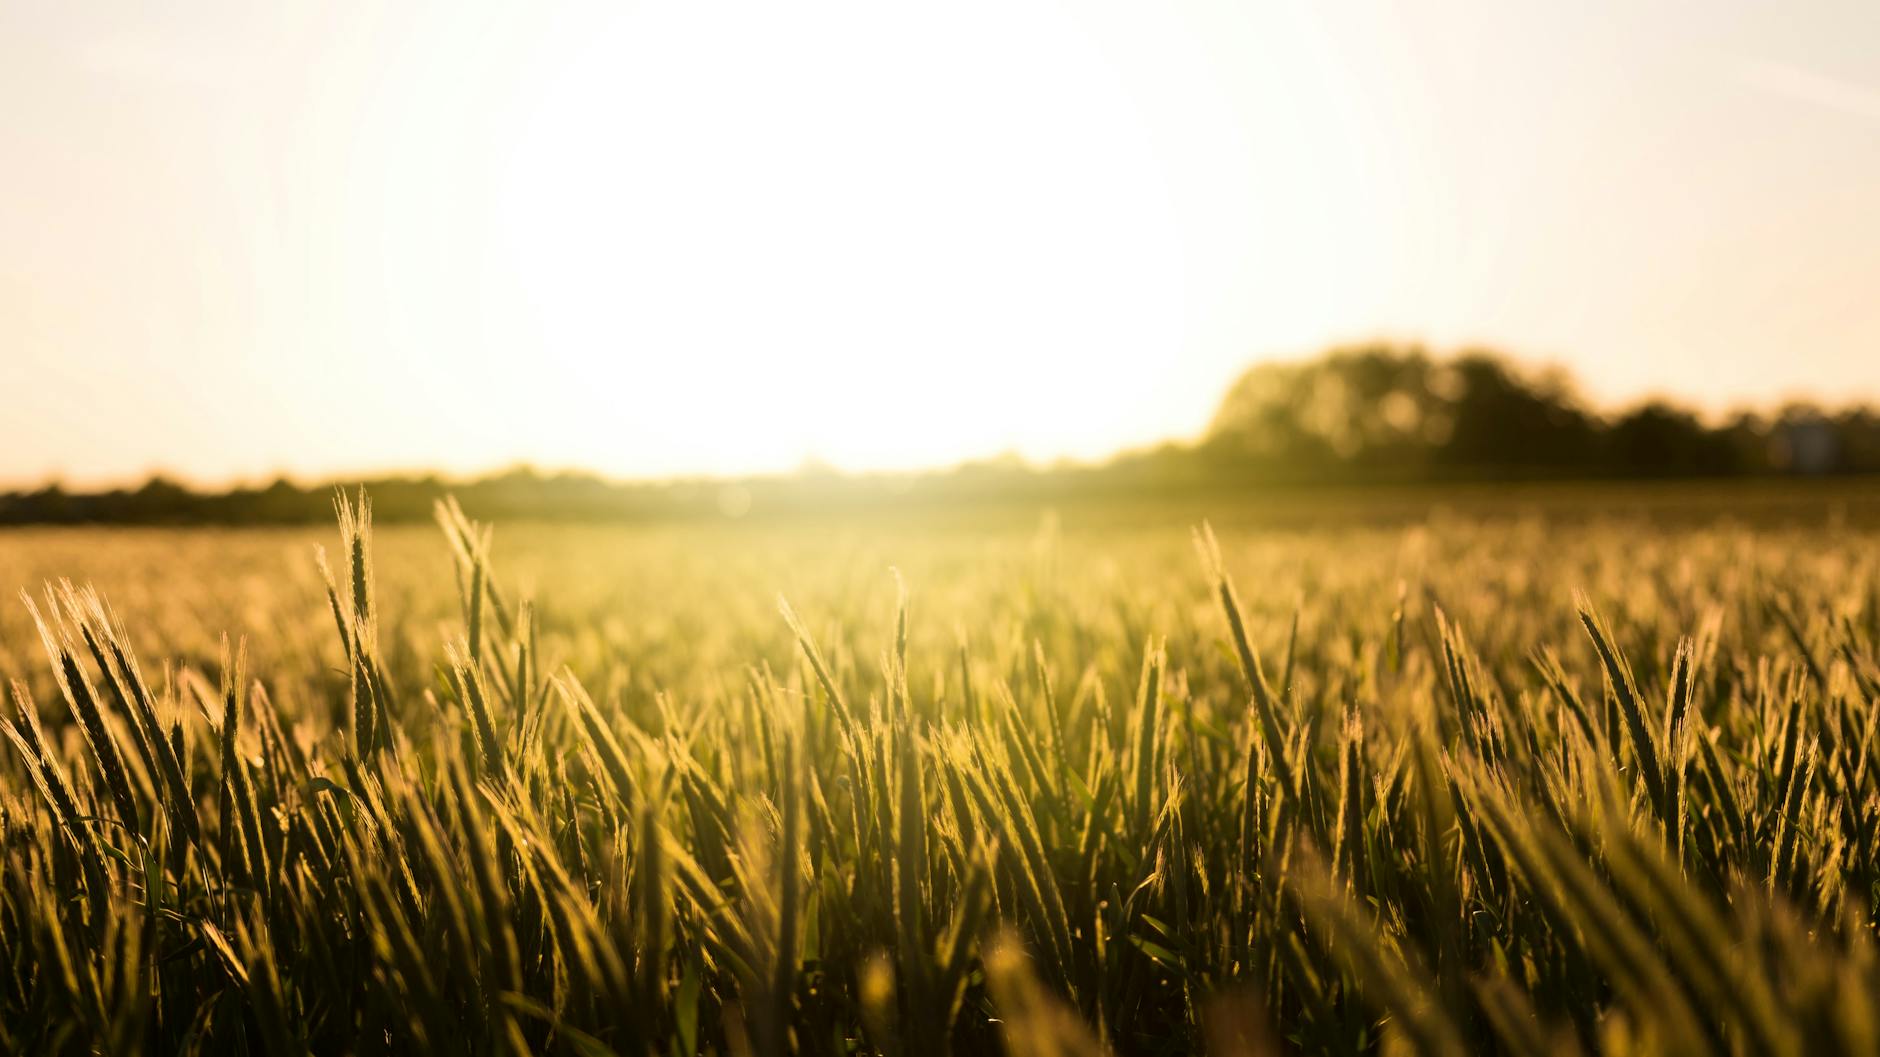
(1552, 771)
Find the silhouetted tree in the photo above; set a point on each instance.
(1503, 420)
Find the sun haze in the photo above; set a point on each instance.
(658, 238)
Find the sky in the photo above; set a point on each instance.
(240, 240)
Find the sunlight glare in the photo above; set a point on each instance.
(864, 232)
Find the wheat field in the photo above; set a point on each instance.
(1065, 784)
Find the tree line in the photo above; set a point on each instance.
(1400, 410)
(1365, 414)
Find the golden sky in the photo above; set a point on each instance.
(238, 239)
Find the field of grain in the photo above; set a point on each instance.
(1459, 782)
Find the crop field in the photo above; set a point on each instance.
(1529, 781)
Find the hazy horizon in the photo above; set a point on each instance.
(722, 239)
(812, 464)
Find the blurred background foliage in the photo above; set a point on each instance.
(1359, 415)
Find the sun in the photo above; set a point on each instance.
(873, 236)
